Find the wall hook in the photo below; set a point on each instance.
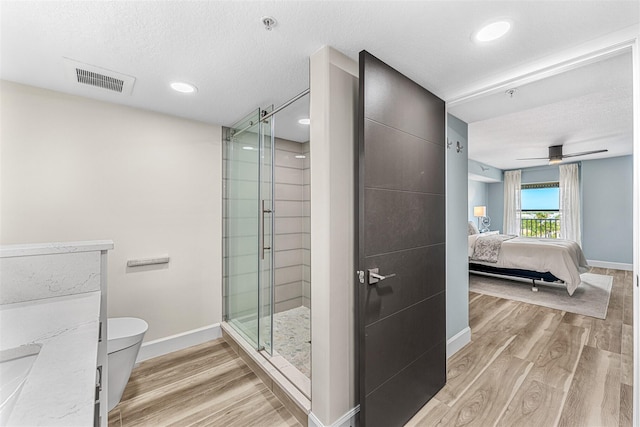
(449, 144)
(458, 147)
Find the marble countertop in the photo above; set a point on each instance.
(54, 248)
(60, 389)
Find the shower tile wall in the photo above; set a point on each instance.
(290, 220)
(306, 237)
(240, 181)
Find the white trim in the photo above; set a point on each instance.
(459, 340)
(578, 56)
(177, 342)
(608, 264)
(635, 53)
(346, 420)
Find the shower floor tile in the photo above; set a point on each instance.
(292, 337)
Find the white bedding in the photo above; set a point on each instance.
(562, 258)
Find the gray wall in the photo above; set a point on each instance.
(607, 210)
(478, 196)
(457, 261)
(290, 223)
(306, 236)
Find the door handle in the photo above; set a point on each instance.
(261, 234)
(374, 277)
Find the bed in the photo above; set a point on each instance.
(528, 257)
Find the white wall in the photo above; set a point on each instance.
(334, 101)
(77, 169)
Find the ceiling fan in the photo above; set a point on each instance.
(556, 156)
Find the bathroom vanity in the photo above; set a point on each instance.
(53, 346)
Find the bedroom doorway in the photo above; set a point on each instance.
(610, 225)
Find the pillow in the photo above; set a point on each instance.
(472, 229)
(471, 242)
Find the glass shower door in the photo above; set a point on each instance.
(266, 262)
(247, 225)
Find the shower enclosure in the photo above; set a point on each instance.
(266, 231)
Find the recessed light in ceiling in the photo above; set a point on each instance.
(247, 148)
(300, 156)
(183, 87)
(493, 31)
(304, 121)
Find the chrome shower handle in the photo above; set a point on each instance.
(261, 243)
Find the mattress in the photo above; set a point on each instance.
(562, 258)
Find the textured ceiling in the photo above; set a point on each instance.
(589, 108)
(237, 65)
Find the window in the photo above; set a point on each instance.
(540, 210)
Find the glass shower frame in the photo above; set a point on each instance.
(248, 188)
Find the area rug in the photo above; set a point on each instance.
(591, 298)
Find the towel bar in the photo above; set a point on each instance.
(147, 261)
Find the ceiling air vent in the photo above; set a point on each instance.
(101, 78)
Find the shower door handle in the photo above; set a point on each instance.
(261, 243)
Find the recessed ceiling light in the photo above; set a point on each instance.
(304, 121)
(247, 148)
(183, 87)
(493, 31)
(300, 156)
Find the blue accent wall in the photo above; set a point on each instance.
(457, 260)
(540, 174)
(478, 196)
(484, 171)
(607, 209)
(495, 205)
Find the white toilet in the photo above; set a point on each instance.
(124, 338)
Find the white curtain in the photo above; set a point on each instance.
(570, 203)
(511, 221)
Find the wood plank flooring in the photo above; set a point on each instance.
(526, 366)
(204, 385)
(534, 366)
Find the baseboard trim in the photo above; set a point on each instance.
(177, 342)
(612, 265)
(347, 420)
(459, 340)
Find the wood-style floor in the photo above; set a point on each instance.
(205, 385)
(532, 366)
(526, 366)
